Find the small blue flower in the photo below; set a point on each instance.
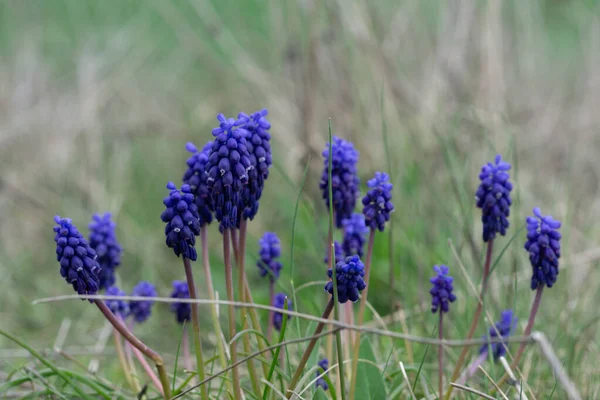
(493, 197)
(355, 232)
(196, 177)
(503, 329)
(227, 168)
(378, 201)
(279, 302)
(323, 366)
(183, 224)
(104, 241)
(78, 263)
(183, 311)
(141, 309)
(270, 251)
(259, 150)
(338, 253)
(442, 291)
(344, 178)
(349, 275)
(543, 245)
(118, 307)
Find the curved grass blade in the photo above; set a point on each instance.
(277, 351)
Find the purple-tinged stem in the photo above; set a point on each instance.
(137, 343)
(187, 359)
(309, 349)
(148, 369)
(361, 313)
(472, 368)
(189, 276)
(476, 316)
(271, 302)
(441, 355)
(124, 363)
(227, 235)
(534, 310)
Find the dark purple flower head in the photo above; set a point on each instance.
(104, 241)
(196, 177)
(344, 178)
(118, 307)
(270, 251)
(227, 167)
(493, 197)
(259, 150)
(349, 275)
(338, 253)
(503, 329)
(323, 366)
(279, 302)
(78, 263)
(378, 201)
(442, 291)
(543, 245)
(141, 309)
(355, 232)
(182, 310)
(183, 224)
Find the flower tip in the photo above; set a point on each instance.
(57, 219)
(171, 186)
(537, 212)
(189, 146)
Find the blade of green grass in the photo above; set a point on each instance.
(277, 351)
(177, 355)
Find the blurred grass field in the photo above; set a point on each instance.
(97, 101)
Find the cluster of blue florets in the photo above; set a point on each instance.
(183, 224)
(118, 307)
(104, 241)
(543, 245)
(442, 289)
(349, 276)
(338, 253)
(493, 197)
(502, 329)
(140, 310)
(279, 302)
(270, 251)
(323, 366)
(196, 176)
(378, 201)
(355, 232)
(182, 310)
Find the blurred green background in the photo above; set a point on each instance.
(98, 98)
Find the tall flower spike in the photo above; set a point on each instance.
(503, 329)
(270, 251)
(141, 309)
(543, 245)
(344, 178)
(323, 366)
(259, 150)
(279, 302)
(227, 168)
(104, 241)
(378, 201)
(442, 291)
(78, 263)
(493, 197)
(196, 177)
(183, 224)
(338, 253)
(355, 232)
(349, 275)
(118, 307)
(182, 310)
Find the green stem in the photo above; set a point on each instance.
(227, 235)
(475, 320)
(126, 371)
(361, 312)
(138, 344)
(277, 351)
(441, 355)
(309, 349)
(189, 276)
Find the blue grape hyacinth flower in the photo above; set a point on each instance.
(259, 150)
(104, 241)
(344, 178)
(279, 302)
(377, 203)
(543, 245)
(196, 177)
(183, 224)
(227, 168)
(118, 307)
(355, 232)
(323, 366)
(503, 329)
(442, 289)
(349, 276)
(270, 251)
(141, 310)
(338, 253)
(78, 262)
(493, 197)
(182, 311)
